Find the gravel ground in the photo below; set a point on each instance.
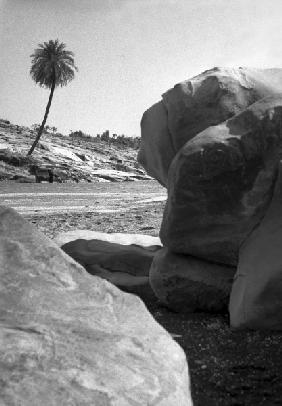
(227, 368)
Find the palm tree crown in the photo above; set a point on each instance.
(52, 64)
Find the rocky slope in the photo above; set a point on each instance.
(69, 158)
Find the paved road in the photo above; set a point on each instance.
(100, 198)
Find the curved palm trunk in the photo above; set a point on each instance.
(40, 131)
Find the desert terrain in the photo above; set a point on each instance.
(226, 367)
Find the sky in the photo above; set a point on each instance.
(128, 53)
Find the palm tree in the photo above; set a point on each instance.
(52, 65)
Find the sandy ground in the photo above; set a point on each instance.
(227, 368)
(53, 198)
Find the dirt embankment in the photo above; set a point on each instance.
(70, 159)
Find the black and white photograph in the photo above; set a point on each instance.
(140, 203)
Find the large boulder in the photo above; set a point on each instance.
(256, 296)
(194, 105)
(221, 184)
(68, 338)
(187, 284)
(126, 266)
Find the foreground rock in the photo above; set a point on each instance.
(186, 284)
(221, 184)
(196, 104)
(69, 338)
(126, 266)
(256, 298)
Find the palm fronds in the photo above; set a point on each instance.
(51, 61)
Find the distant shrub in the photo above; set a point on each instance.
(15, 158)
(47, 129)
(35, 127)
(50, 129)
(4, 121)
(105, 136)
(120, 141)
(127, 142)
(79, 134)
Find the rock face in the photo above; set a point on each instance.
(156, 150)
(221, 183)
(256, 298)
(188, 284)
(196, 104)
(70, 338)
(126, 266)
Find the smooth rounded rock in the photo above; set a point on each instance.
(126, 266)
(156, 150)
(221, 184)
(193, 105)
(186, 284)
